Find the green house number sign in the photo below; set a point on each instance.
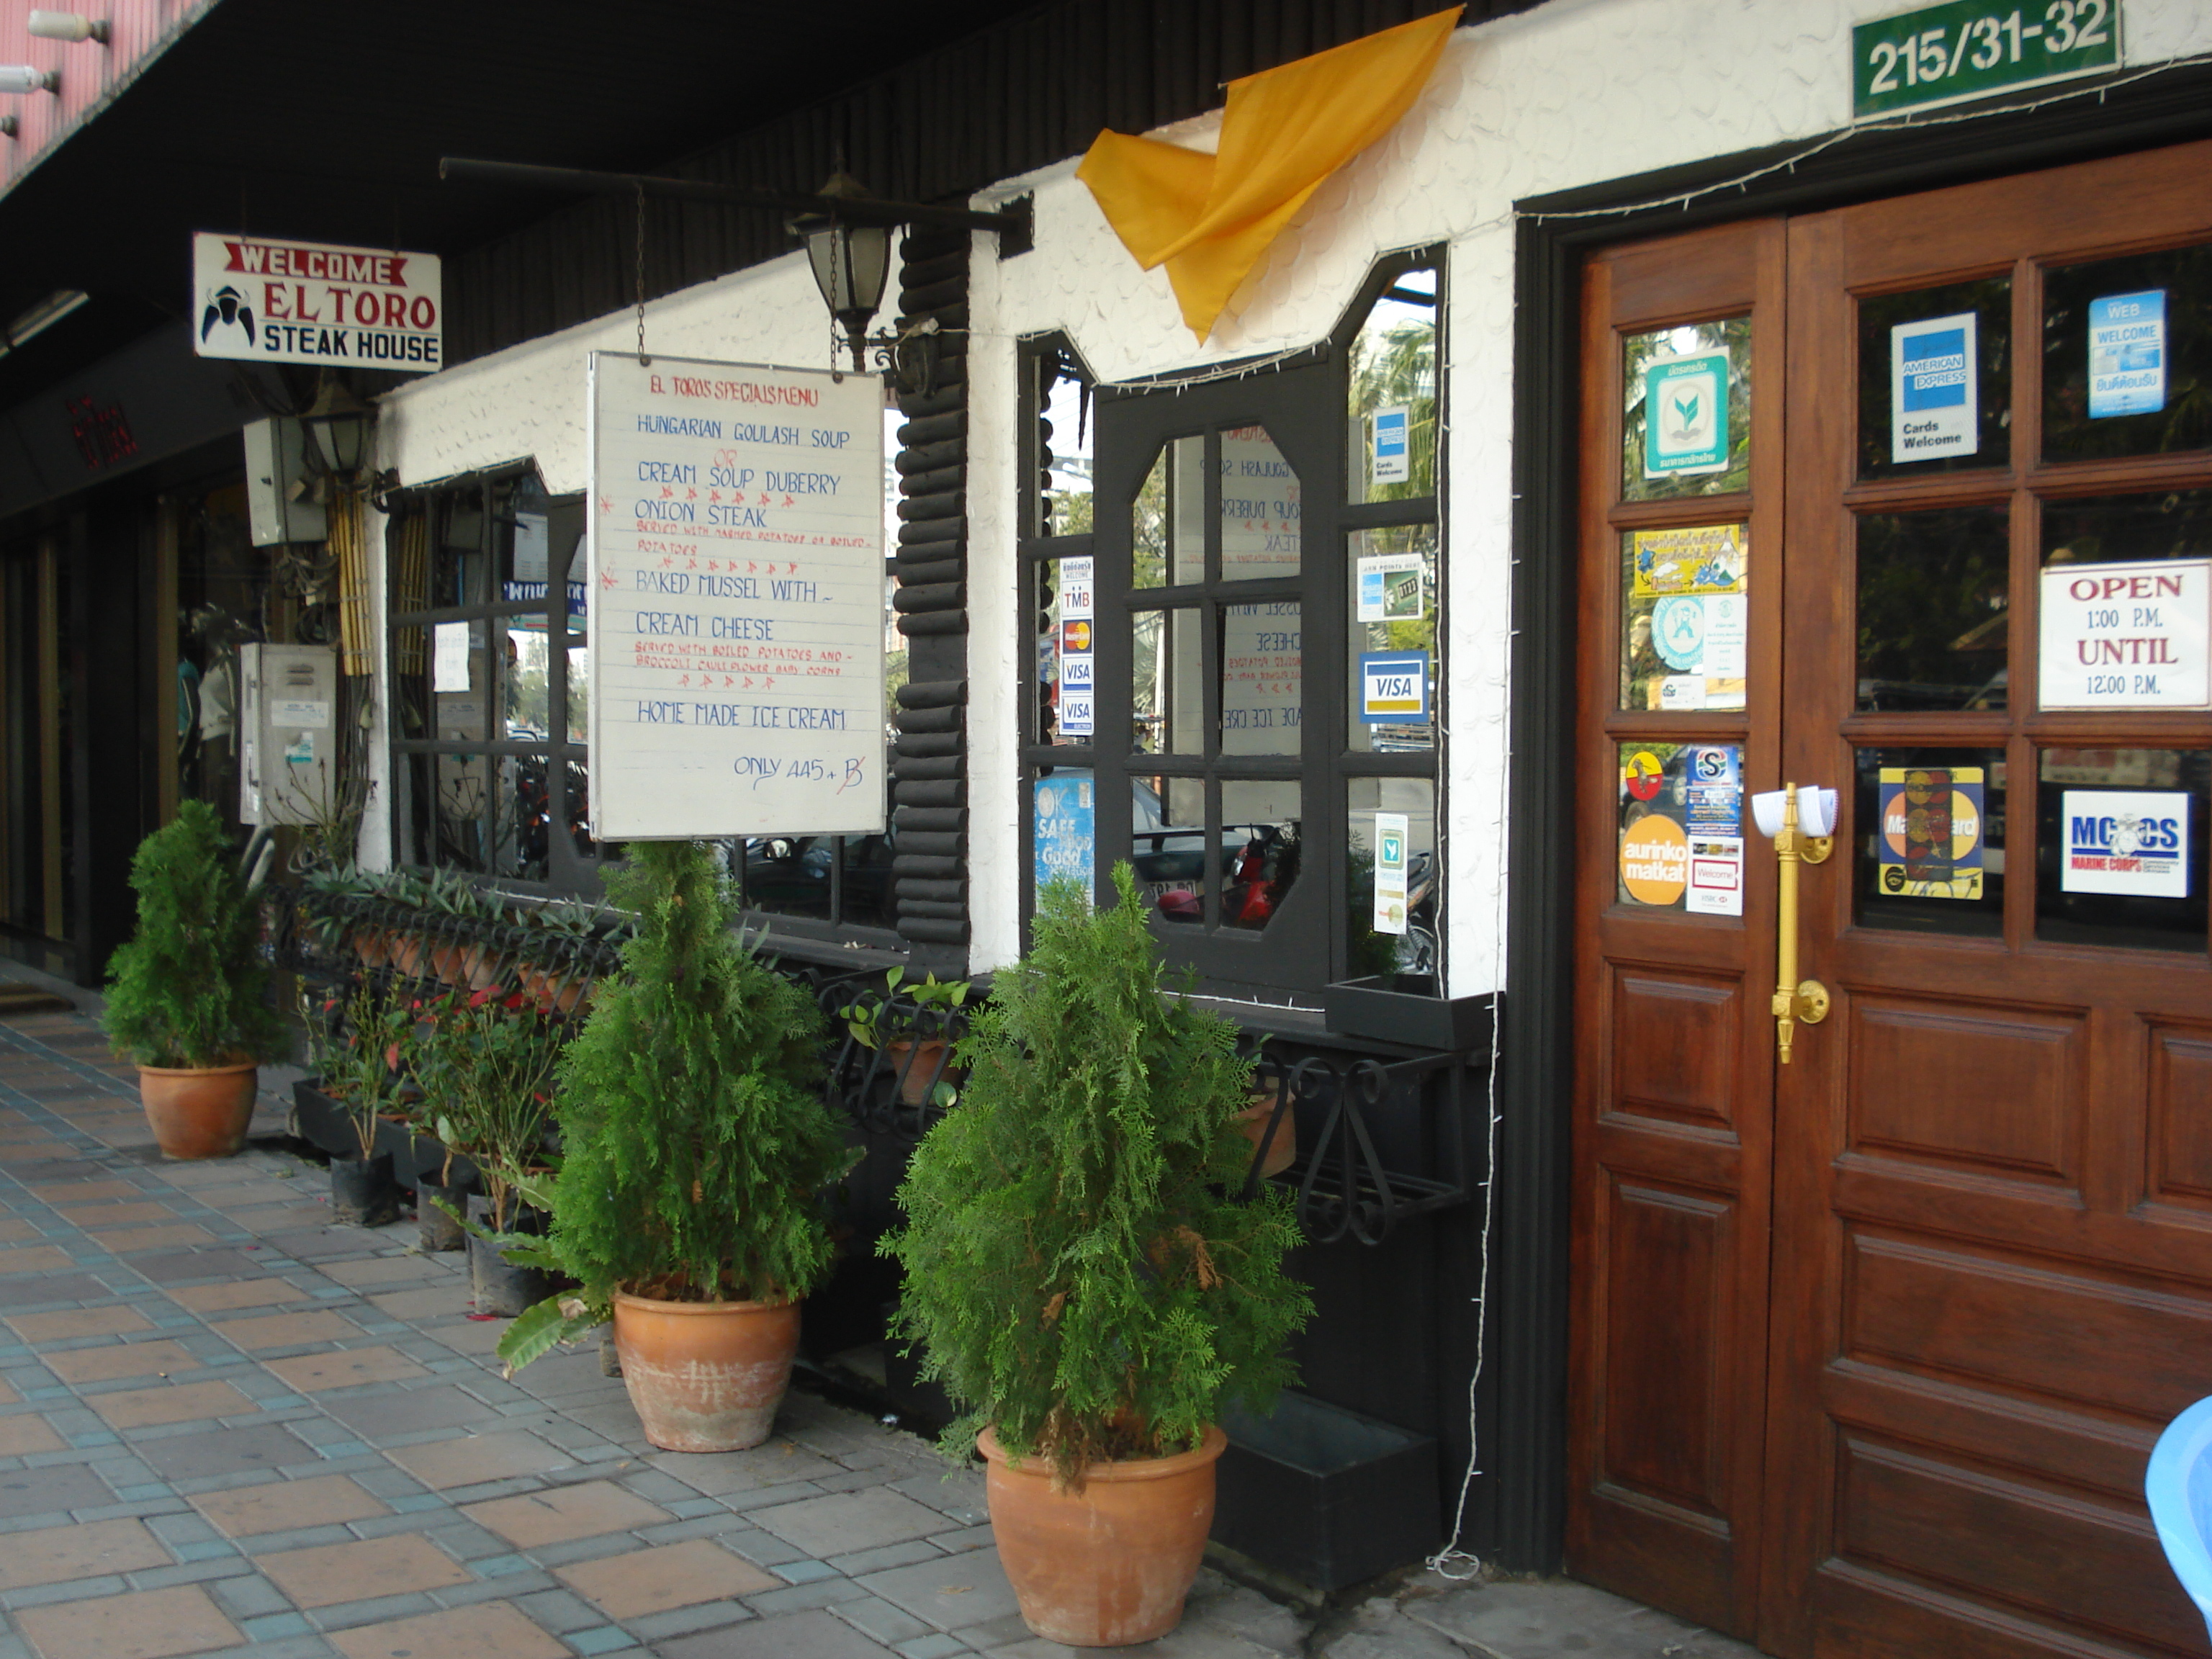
(1972, 48)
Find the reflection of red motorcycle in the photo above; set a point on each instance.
(1257, 877)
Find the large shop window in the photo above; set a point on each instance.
(491, 700)
(490, 683)
(1235, 589)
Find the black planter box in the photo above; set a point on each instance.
(1326, 1496)
(416, 1157)
(325, 1123)
(1404, 1008)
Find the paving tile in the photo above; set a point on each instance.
(341, 1368)
(89, 1550)
(175, 1267)
(114, 1320)
(849, 1521)
(639, 1581)
(35, 1259)
(403, 1410)
(177, 1234)
(52, 1490)
(225, 1451)
(48, 1288)
(119, 1360)
(149, 1625)
(474, 1459)
(777, 1463)
(281, 1505)
(27, 1432)
(490, 1630)
(335, 1573)
(813, 1635)
(960, 1591)
(288, 1330)
(387, 1270)
(181, 1402)
(237, 1293)
(115, 1215)
(561, 1513)
(83, 1192)
(425, 1300)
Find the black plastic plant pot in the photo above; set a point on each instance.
(500, 1286)
(362, 1191)
(440, 1231)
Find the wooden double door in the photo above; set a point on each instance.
(1913, 501)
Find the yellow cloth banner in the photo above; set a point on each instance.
(1209, 218)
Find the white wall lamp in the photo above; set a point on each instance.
(337, 426)
(7, 126)
(27, 77)
(68, 25)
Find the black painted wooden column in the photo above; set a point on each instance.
(929, 790)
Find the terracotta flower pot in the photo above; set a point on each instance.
(1252, 1123)
(373, 946)
(915, 1081)
(705, 1376)
(199, 1113)
(1110, 1566)
(406, 953)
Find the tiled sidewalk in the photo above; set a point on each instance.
(228, 1427)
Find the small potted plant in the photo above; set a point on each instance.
(695, 1140)
(1078, 1278)
(918, 1055)
(357, 1073)
(488, 1070)
(187, 994)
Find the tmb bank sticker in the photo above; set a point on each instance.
(1716, 876)
(2129, 842)
(1931, 844)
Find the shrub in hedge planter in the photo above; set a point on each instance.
(357, 1072)
(187, 995)
(488, 1072)
(1080, 1282)
(696, 1140)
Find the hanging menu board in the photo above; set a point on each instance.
(737, 610)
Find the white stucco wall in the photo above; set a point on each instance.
(1575, 93)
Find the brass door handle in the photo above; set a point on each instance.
(1795, 1001)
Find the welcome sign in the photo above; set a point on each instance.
(264, 300)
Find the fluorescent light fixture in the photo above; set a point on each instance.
(68, 25)
(27, 77)
(41, 317)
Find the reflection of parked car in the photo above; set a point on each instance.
(791, 875)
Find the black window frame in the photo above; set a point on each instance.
(1302, 401)
(568, 870)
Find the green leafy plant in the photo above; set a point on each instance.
(190, 987)
(864, 1017)
(691, 1116)
(378, 1028)
(1072, 1266)
(487, 1071)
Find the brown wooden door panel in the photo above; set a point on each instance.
(1980, 1315)
(1966, 1238)
(1672, 1106)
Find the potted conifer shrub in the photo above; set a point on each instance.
(695, 1140)
(187, 994)
(1079, 1278)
